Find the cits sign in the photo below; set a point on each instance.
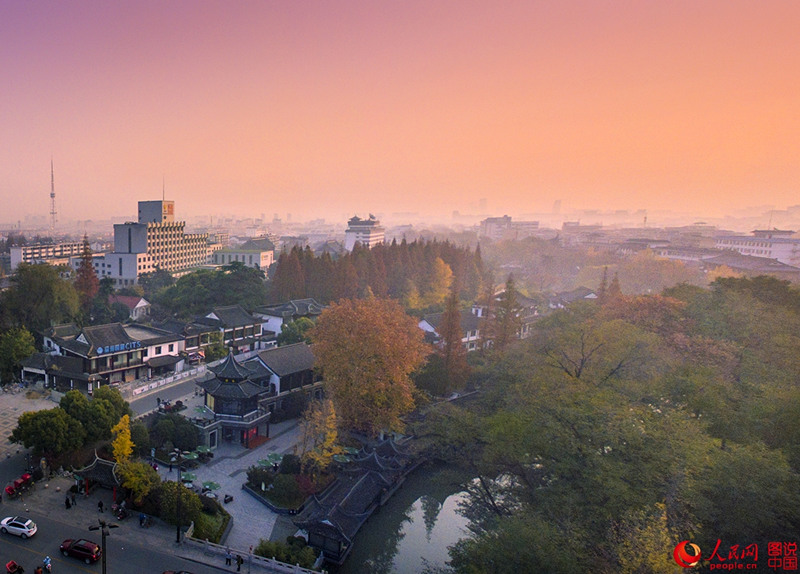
(121, 347)
(682, 556)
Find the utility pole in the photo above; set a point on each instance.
(103, 528)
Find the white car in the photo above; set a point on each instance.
(18, 525)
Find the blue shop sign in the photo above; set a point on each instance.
(121, 347)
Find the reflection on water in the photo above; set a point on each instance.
(415, 527)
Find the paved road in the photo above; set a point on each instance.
(177, 391)
(124, 556)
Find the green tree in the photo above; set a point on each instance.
(38, 298)
(140, 437)
(295, 331)
(506, 320)
(216, 349)
(452, 350)
(168, 493)
(49, 433)
(96, 416)
(367, 350)
(113, 396)
(15, 344)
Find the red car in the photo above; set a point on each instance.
(82, 549)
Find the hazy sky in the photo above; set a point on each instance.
(328, 107)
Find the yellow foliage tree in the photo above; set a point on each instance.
(140, 478)
(320, 435)
(367, 350)
(122, 445)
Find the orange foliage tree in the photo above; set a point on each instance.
(366, 350)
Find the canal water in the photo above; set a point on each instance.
(414, 529)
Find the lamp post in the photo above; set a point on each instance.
(103, 528)
(177, 458)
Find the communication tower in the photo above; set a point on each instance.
(52, 198)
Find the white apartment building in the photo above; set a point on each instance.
(53, 254)
(770, 244)
(502, 228)
(258, 253)
(156, 241)
(367, 232)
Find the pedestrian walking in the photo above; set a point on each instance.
(72, 496)
(100, 506)
(239, 562)
(67, 503)
(228, 557)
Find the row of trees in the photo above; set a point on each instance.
(618, 430)
(418, 274)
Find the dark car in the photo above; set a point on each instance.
(82, 549)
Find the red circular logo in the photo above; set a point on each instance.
(683, 558)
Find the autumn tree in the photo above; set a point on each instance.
(366, 350)
(122, 445)
(140, 478)
(86, 282)
(318, 442)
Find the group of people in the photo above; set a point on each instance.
(229, 558)
(69, 501)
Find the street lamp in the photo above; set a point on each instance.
(178, 458)
(103, 528)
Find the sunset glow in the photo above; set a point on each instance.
(327, 108)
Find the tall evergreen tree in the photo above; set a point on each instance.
(86, 282)
(452, 350)
(506, 322)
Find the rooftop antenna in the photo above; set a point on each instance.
(52, 197)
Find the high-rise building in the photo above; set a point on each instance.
(156, 241)
(367, 232)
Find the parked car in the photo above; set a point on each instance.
(82, 549)
(18, 525)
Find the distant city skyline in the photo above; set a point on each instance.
(342, 108)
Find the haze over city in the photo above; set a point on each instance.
(325, 109)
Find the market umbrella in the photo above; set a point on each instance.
(343, 458)
(188, 476)
(190, 456)
(264, 462)
(211, 485)
(274, 457)
(350, 450)
(203, 448)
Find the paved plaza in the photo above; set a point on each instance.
(252, 520)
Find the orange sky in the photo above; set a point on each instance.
(330, 108)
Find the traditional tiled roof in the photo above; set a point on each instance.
(288, 359)
(229, 317)
(293, 309)
(130, 301)
(469, 320)
(261, 244)
(230, 390)
(163, 361)
(230, 370)
(68, 331)
(71, 367)
(151, 335)
(102, 471)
